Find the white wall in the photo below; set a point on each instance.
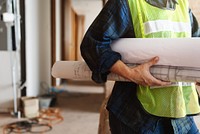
(38, 40)
(90, 9)
(38, 44)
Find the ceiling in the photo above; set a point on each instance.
(82, 7)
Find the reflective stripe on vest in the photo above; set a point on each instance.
(165, 25)
(178, 99)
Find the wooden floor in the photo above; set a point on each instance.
(79, 105)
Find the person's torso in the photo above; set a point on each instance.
(150, 21)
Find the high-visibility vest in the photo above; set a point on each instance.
(178, 99)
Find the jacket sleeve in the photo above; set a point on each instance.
(194, 24)
(113, 22)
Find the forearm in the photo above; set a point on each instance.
(139, 74)
(121, 69)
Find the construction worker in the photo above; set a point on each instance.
(137, 107)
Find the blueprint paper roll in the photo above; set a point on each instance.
(171, 51)
(78, 70)
(176, 74)
(179, 59)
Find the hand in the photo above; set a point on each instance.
(142, 76)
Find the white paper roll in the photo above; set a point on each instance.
(78, 70)
(179, 59)
(171, 51)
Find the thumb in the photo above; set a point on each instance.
(153, 61)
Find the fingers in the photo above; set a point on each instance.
(152, 81)
(142, 76)
(155, 83)
(158, 82)
(153, 61)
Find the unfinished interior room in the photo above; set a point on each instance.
(57, 76)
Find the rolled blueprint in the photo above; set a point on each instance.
(178, 59)
(78, 70)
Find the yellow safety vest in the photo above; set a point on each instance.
(180, 98)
